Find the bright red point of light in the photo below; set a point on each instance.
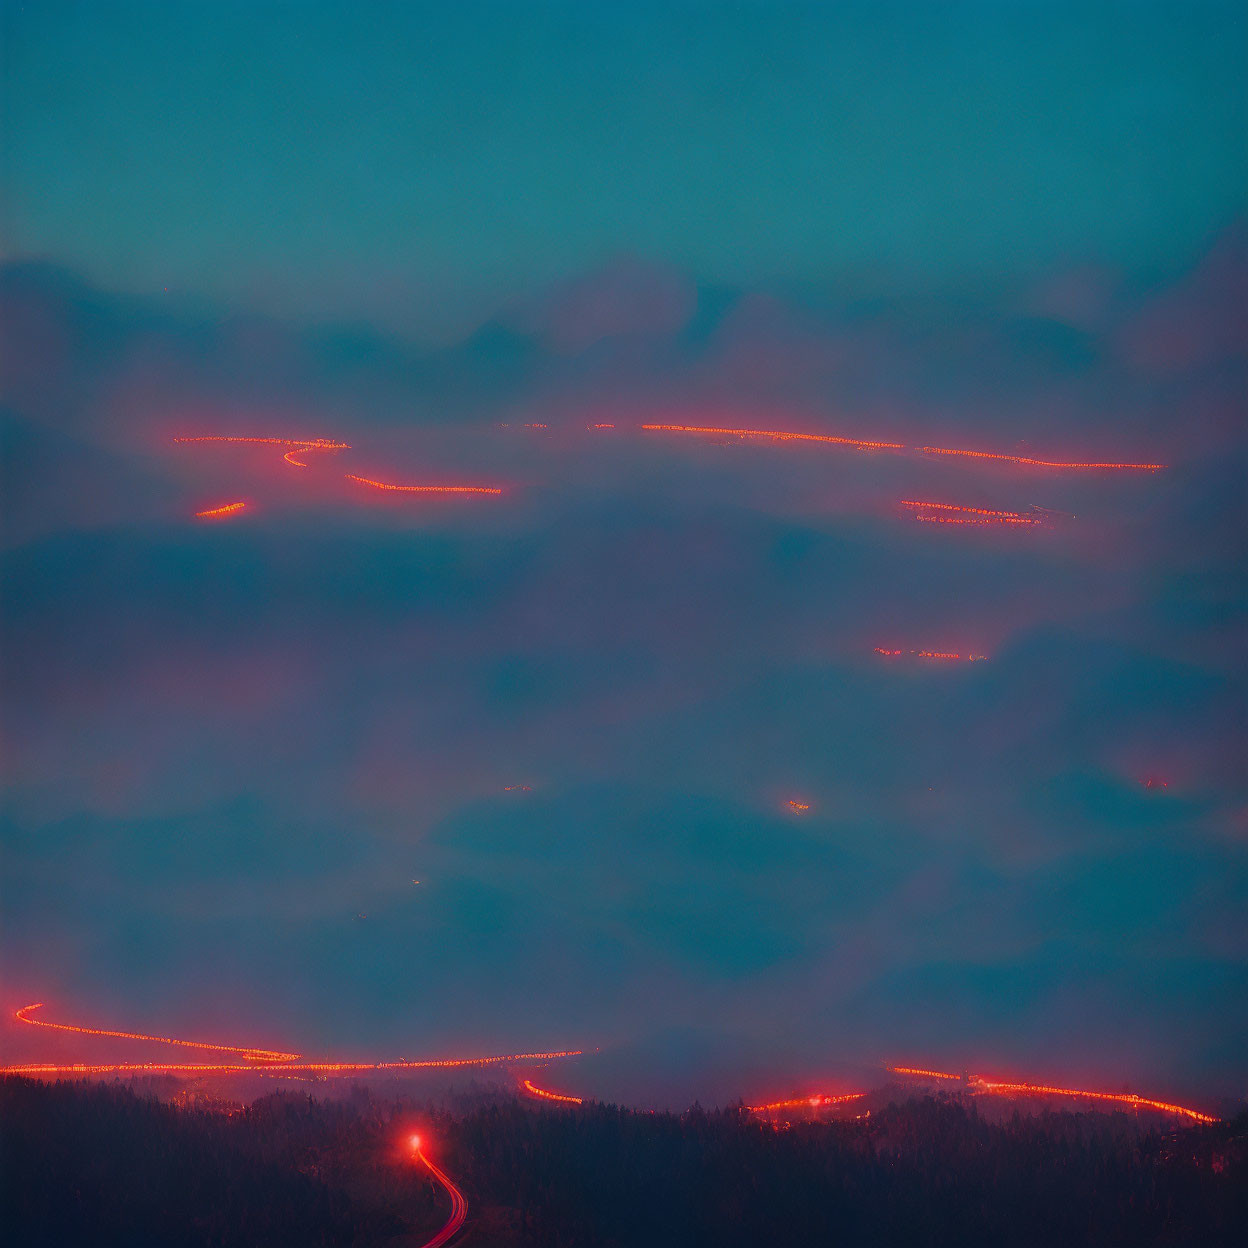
(776, 435)
(1036, 463)
(424, 489)
(214, 513)
(413, 1142)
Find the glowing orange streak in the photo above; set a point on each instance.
(813, 1102)
(1122, 1098)
(322, 444)
(975, 511)
(981, 521)
(256, 1055)
(1036, 1089)
(228, 510)
(425, 489)
(931, 654)
(323, 1068)
(534, 1090)
(459, 1206)
(1035, 463)
(303, 448)
(796, 805)
(776, 435)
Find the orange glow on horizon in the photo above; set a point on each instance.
(545, 1095)
(915, 1070)
(228, 509)
(424, 489)
(777, 435)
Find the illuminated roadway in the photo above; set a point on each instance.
(459, 1206)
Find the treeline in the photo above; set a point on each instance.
(92, 1164)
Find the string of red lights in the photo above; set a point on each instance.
(1040, 463)
(781, 435)
(253, 1057)
(424, 489)
(213, 513)
(931, 654)
(545, 1095)
(776, 435)
(993, 1087)
(818, 1101)
(251, 1053)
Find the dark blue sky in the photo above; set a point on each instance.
(1017, 227)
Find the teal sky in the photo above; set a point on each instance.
(303, 160)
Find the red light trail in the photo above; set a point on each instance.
(270, 1060)
(213, 513)
(459, 1206)
(926, 1074)
(932, 654)
(424, 489)
(807, 1102)
(1038, 463)
(543, 1094)
(776, 435)
(252, 1054)
(304, 447)
(780, 435)
(993, 1087)
(954, 507)
(952, 513)
(318, 444)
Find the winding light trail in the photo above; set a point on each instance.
(319, 444)
(251, 1054)
(993, 1087)
(424, 489)
(543, 1094)
(459, 1206)
(319, 1068)
(270, 1060)
(1038, 463)
(781, 435)
(776, 435)
(216, 512)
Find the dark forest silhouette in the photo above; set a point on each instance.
(99, 1164)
